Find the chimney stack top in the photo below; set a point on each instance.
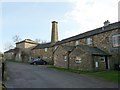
(106, 23)
(54, 22)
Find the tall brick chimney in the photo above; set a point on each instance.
(54, 34)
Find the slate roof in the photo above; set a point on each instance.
(68, 48)
(92, 50)
(42, 46)
(11, 50)
(103, 29)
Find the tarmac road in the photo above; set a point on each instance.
(38, 76)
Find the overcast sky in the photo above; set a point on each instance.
(32, 18)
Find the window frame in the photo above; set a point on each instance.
(46, 49)
(65, 57)
(102, 58)
(78, 60)
(115, 40)
(89, 41)
(77, 42)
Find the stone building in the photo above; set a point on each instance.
(43, 51)
(61, 55)
(104, 39)
(85, 57)
(22, 51)
(82, 57)
(1, 57)
(9, 54)
(96, 49)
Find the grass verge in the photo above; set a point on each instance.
(109, 75)
(16, 61)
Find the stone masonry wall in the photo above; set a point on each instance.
(104, 42)
(9, 55)
(85, 62)
(47, 56)
(59, 58)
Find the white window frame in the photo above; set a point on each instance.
(78, 60)
(115, 40)
(46, 49)
(65, 58)
(77, 42)
(96, 64)
(89, 41)
(108, 64)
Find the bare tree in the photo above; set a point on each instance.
(16, 38)
(38, 40)
(44, 41)
(8, 46)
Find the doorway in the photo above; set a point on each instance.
(106, 62)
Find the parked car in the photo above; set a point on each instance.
(38, 62)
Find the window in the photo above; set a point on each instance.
(102, 59)
(96, 64)
(78, 60)
(116, 40)
(55, 48)
(77, 42)
(65, 58)
(45, 49)
(12, 53)
(89, 41)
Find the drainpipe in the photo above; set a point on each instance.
(69, 59)
(93, 63)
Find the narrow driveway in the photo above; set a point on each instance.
(30, 76)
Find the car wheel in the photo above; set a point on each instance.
(34, 63)
(44, 63)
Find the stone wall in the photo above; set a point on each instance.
(20, 45)
(80, 60)
(9, 55)
(25, 51)
(45, 55)
(35, 53)
(104, 42)
(59, 60)
(101, 63)
(30, 45)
